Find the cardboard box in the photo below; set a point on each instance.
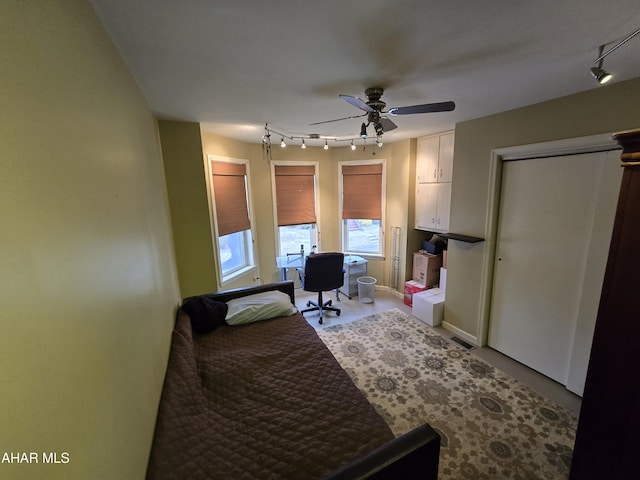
(410, 288)
(444, 259)
(426, 268)
(428, 307)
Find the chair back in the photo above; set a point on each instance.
(323, 271)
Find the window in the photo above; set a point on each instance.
(362, 195)
(295, 207)
(229, 181)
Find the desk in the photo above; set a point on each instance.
(286, 262)
(354, 267)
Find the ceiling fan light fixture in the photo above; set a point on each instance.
(363, 131)
(379, 129)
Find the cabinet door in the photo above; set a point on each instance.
(443, 205)
(426, 204)
(445, 158)
(427, 160)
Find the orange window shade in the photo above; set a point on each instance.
(295, 194)
(230, 193)
(362, 191)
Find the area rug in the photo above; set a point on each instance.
(492, 426)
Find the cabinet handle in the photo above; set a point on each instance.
(440, 173)
(435, 173)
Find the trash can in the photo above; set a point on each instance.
(366, 289)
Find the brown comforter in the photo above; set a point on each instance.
(260, 401)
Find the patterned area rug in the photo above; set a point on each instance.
(492, 427)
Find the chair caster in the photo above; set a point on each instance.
(320, 321)
(308, 303)
(338, 313)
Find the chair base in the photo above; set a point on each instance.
(320, 306)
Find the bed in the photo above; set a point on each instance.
(266, 399)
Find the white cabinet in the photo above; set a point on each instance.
(435, 159)
(432, 206)
(434, 167)
(354, 267)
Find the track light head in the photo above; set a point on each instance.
(601, 75)
(303, 144)
(353, 147)
(326, 145)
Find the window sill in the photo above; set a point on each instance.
(236, 275)
(366, 256)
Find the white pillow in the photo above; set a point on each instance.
(260, 306)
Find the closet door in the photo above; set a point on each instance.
(554, 230)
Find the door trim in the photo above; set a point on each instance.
(588, 144)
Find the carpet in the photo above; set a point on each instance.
(492, 426)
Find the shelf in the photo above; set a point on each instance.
(460, 237)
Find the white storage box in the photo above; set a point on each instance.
(429, 306)
(443, 278)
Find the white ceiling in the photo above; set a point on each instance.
(235, 65)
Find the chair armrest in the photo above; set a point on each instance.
(412, 456)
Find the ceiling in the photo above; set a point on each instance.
(236, 65)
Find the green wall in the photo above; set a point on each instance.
(601, 110)
(88, 286)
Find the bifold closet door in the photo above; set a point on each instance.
(553, 236)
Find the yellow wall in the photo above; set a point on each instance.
(187, 198)
(601, 110)
(187, 190)
(88, 286)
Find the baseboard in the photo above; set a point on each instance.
(392, 291)
(460, 333)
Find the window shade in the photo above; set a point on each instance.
(295, 194)
(230, 193)
(362, 191)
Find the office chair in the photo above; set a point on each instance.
(322, 272)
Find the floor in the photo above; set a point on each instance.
(386, 299)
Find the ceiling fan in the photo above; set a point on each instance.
(374, 108)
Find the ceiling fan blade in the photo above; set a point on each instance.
(387, 125)
(338, 119)
(425, 108)
(357, 102)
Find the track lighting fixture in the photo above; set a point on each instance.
(598, 72)
(601, 75)
(285, 139)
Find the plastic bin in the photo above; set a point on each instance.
(366, 289)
